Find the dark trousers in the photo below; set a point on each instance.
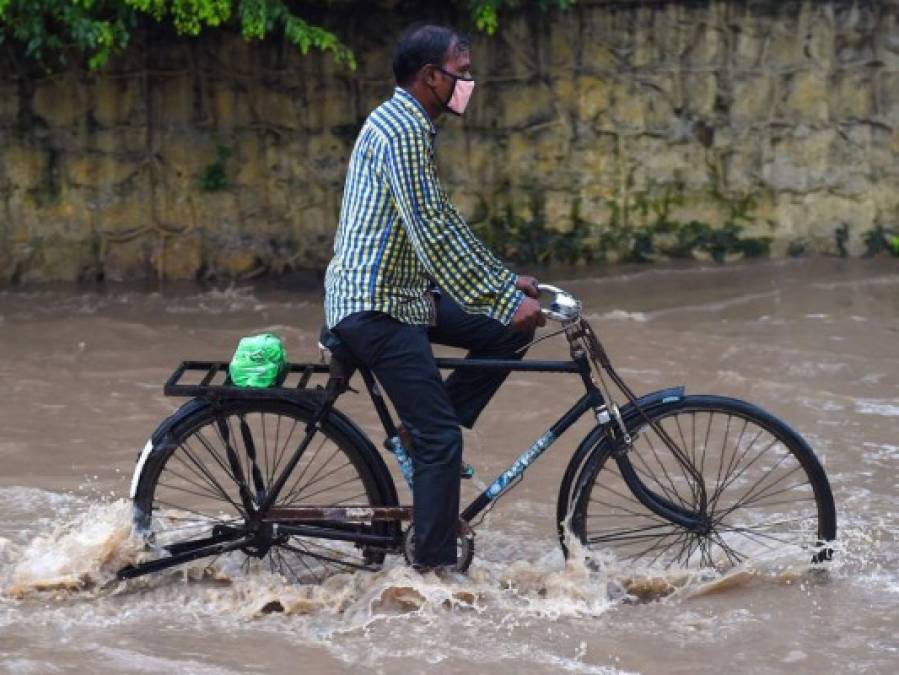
(401, 359)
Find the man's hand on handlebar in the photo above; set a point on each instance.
(528, 286)
(528, 316)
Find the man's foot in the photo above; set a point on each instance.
(446, 573)
(405, 436)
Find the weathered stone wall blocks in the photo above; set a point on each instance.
(639, 131)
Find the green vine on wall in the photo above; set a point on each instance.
(51, 32)
(213, 177)
(881, 239)
(640, 228)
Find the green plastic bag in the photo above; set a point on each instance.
(258, 361)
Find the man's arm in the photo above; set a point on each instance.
(453, 257)
(483, 252)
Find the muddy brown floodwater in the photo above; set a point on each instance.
(815, 341)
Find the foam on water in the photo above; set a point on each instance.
(877, 407)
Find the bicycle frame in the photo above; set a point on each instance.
(327, 522)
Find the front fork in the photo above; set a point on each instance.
(608, 415)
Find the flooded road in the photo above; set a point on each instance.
(814, 341)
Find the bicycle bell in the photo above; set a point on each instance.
(564, 306)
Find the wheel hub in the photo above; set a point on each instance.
(263, 539)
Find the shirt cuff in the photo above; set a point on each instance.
(507, 303)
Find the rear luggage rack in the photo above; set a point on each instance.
(210, 379)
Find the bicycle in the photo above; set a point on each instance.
(281, 476)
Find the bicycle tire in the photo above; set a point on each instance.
(786, 492)
(187, 476)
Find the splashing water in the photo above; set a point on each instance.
(82, 553)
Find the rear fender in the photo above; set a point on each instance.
(156, 438)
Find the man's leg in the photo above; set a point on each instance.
(400, 356)
(470, 389)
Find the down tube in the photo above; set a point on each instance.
(502, 482)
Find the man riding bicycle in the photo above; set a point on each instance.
(407, 271)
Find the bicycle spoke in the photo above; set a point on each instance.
(750, 464)
(302, 561)
(250, 447)
(213, 493)
(300, 495)
(215, 456)
(349, 499)
(283, 452)
(653, 547)
(205, 472)
(184, 508)
(745, 498)
(732, 555)
(675, 493)
(730, 467)
(633, 533)
(321, 468)
(323, 558)
(647, 515)
(308, 464)
(723, 452)
(705, 445)
(191, 492)
(694, 489)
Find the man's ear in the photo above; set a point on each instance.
(430, 75)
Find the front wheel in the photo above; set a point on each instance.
(767, 494)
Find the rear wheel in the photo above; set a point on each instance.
(767, 494)
(198, 483)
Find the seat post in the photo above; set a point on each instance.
(340, 373)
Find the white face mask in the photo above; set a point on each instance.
(461, 94)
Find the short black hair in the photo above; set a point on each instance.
(421, 44)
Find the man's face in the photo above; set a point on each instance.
(458, 63)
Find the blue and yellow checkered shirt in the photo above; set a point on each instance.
(398, 230)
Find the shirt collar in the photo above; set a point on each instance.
(412, 104)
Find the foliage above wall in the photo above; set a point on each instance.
(50, 33)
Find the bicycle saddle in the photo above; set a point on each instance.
(328, 341)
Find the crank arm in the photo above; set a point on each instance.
(220, 533)
(184, 555)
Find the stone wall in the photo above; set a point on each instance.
(614, 131)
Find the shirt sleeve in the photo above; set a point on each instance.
(459, 263)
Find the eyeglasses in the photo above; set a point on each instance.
(454, 76)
